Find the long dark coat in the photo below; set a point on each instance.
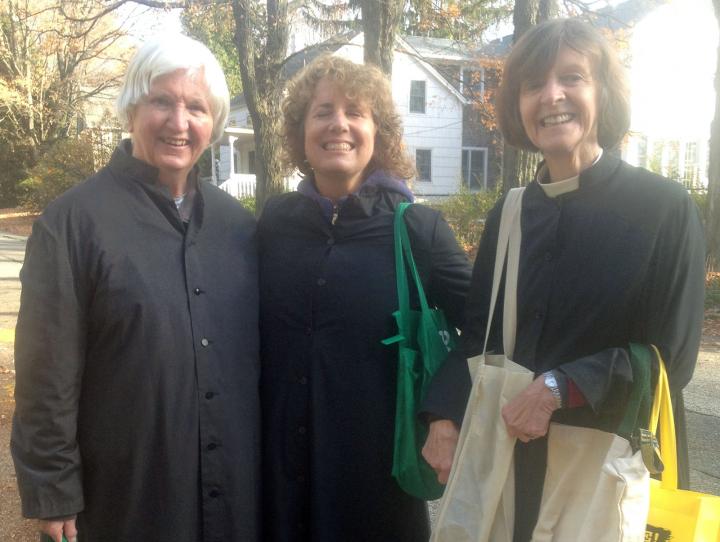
(328, 385)
(619, 260)
(137, 363)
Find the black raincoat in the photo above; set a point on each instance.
(619, 260)
(137, 363)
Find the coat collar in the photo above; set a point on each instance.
(364, 198)
(126, 167)
(591, 179)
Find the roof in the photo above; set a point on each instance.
(442, 48)
(296, 61)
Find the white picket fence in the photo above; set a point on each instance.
(241, 185)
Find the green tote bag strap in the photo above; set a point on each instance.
(403, 253)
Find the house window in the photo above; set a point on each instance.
(473, 83)
(423, 164)
(417, 96)
(474, 169)
(251, 162)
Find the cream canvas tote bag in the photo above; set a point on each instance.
(595, 488)
(478, 503)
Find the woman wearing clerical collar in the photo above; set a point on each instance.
(611, 254)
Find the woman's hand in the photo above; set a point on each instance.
(55, 529)
(439, 447)
(527, 416)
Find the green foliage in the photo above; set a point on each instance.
(248, 202)
(466, 212)
(64, 165)
(700, 197)
(15, 157)
(456, 20)
(712, 291)
(213, 24)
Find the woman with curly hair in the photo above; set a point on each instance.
(328, 290)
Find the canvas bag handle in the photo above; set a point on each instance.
(508, 243)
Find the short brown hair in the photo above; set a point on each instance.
(359, 82)
(534, 55)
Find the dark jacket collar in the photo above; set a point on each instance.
(377, 181)
(126, 167)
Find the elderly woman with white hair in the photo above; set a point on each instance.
(137, 339)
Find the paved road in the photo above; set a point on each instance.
(12, 252)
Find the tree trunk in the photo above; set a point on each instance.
(547, 9)
(524, 14)
(380, 19)
(260, 71)
(712, 216)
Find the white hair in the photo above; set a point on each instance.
(167, 54)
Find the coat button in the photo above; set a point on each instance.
(211, 446)
(302, 430)
(197, 291)
(321, 282)
(331, 241)
(209, 395)
(303, 380)
(539, 315)
(204, 342)
(214, 493)
(548, 256)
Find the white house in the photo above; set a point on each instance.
(431, 107)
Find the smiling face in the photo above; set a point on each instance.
(339, 139)
(559, 113)
(172, 126)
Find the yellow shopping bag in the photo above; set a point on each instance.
(676, 514)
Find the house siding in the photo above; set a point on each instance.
(439, 129)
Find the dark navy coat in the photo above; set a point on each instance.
(328, 385)
(137, 363)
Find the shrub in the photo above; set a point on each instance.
(66, 163)
(712, 291)
(248, 202)
(466, 212)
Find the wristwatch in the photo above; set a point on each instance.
(552, 385)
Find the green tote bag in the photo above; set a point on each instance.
(424, 339)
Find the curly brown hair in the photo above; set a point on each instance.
(359, 82)
(533, 56)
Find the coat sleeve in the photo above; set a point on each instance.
(449, 273)
(49, 354)
(450, 389)
(674, 297)
(670, 316)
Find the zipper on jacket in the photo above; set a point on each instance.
(335, 214)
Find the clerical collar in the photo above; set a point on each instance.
(558, 188)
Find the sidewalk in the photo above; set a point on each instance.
(702, 405)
